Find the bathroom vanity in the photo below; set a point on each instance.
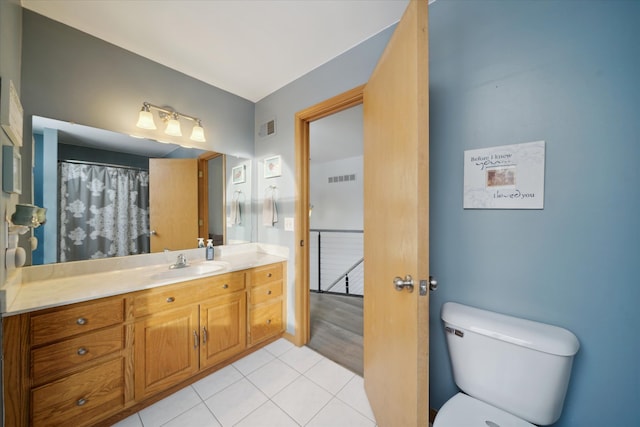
(88, 357)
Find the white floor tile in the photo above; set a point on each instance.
(268, 415)
(235, 402)
(250, 363)
(329, 375)
(338, 414)
(169, 408)
(198, 416)
(301, 358)
(354, 395)
(132, 421)
(302, 399)
(278, 348)
(273, 377)
(217, 381)
(280, 385)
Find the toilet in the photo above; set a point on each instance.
(511, 372)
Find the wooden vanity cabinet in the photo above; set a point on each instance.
(83, 363)
(67, 363)
(266, 302)
(184, 328)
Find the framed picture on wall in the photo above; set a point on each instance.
(238, 174)
(11, 169)
(272, 167)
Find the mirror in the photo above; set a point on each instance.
(77, 151)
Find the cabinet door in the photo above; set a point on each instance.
(223, 328)
(166, 350)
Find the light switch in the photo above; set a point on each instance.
(288, 224)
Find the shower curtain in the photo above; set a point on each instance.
(103, 211)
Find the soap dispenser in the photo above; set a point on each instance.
(209, 250)
(201, 242)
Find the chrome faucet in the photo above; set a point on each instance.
(181, 262)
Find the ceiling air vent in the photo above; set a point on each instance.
(267, 129)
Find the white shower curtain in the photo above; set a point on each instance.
(103, 211)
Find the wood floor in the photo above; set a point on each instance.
(336, 329)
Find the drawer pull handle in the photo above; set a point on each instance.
(82, 351)
(225, 286)
(171, 299)
(81, 321)
(204, 335)
(269, 292)
(81, 402)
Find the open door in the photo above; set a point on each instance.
(173, 204)
(396, 226)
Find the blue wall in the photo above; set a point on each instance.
(567, 73)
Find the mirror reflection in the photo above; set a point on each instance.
(109, 194)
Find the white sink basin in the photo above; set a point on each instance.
(199, 269)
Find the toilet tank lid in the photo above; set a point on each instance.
(526, 333)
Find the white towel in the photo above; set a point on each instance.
(236, 213)
(269, 211)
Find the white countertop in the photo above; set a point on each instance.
(61, 284)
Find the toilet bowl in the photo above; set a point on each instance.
(465, 411)
(512, 372)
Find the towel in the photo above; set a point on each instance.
(236, 213)
(269, 211)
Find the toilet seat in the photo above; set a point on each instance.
(465, 411)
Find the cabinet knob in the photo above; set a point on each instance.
(81, 402)
(171, 299)
(269, 275)
(81, 321)
(225, 286)
(269, 322)
(269, 292)
(82, 351)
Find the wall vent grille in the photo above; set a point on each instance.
(342, 178)
(267, 129)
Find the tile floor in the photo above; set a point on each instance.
(280, 385)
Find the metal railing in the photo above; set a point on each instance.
(336, 261)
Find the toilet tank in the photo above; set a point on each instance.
(520, 366)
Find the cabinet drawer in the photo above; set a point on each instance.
(266, 321)
(223, 285)
(260, 294)
(75, 320)
(78, 399)
(60, 357)
(182, 294)
(268, 273)
(165, 298)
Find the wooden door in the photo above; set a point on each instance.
(166, 350)
(396, 225)
(223, 328)
(173, 204)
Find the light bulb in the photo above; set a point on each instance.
(145, 119)
(173, 127)
(197, 134)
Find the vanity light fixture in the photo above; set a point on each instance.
(145, 121)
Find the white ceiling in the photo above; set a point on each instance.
(247, 47)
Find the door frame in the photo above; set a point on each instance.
(302, 119)
(203, 193)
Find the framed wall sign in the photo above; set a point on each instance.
(11, 170)
(505, 177)
(12, 122)
(238, 175)
(272, 167)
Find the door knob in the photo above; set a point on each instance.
(401, 284)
